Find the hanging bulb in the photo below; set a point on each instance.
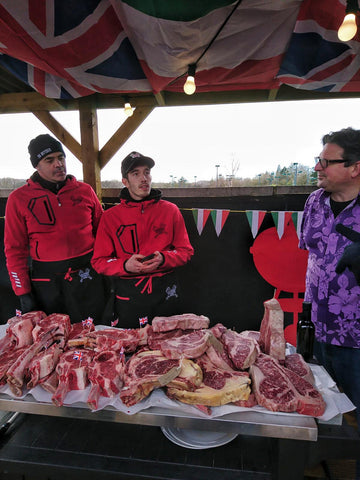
(348, 28)
(128, 110)
(189, 85)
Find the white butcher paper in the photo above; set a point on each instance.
(337, 403)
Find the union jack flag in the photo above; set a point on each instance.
(114, 322)
(143, 321)
(68, 49)
(18, 313)
(122, 353)
(78, 355)
(88, 322)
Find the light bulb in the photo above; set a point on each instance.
(348, 28)
(189, 85)
(128, 110)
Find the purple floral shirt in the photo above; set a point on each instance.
(335, 298)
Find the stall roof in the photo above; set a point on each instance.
(90, 54)
(254, 49)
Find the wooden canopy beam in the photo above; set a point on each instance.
(90, 143)
(123, 133)
(60, 132)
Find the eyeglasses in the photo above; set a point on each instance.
(324, 163)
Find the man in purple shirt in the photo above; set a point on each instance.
(332, 278)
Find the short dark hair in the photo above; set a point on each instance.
(349, 140)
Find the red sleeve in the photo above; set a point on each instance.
(16, 247)
(97, 211)
(104, 259)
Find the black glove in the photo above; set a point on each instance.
(351, 256)
(27, 303)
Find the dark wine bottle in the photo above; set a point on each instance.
(305, 333)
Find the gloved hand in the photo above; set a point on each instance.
(27, 303)
(351, 256)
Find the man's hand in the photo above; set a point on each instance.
(27, 303)
(135, 264)
(351, 256)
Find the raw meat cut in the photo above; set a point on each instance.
(272, 339)
(310, 401)
(106, 373)
(242, 351)
(218, 356)
(186, 321)
(42, 364)
(297, 364)
(112, 339)
(190, 376)
(7, 359)
(155, 339)
(145, 371)
(250, 402)
(19, 330)
(272, 388)
(190, 345)
(72, 373)
(219, 387)
(58, 323)
(50, 383)
(218, 330)
(16, 372)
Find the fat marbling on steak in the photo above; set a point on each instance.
(296, 363)
(189, 345)
(242, 351)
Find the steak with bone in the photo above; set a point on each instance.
(112, 339)
(7, 359)
(297, 364)
(16, 372)
(242, 351)
(42, 364)
(19, 330)
(272, 339)
(186, 321)
(218, 387)
(58, 323)
(189, 345)
(72, 373)
(145, 371)
(105, 373)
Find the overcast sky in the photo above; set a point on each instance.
(190, 141)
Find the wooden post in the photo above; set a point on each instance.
(90, 143)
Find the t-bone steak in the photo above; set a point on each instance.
(272, 339)
(145, 371)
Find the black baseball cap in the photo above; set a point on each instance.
(133, 160)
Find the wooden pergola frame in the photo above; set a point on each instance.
(94, 160)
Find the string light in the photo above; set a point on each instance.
(128, 109)
(189, 85)
(348, 28)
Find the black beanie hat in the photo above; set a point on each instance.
(41, 146)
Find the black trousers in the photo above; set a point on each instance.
(144, 297)
(70, 286)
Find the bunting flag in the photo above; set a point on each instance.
(200, 216)
(281, 219)
(297, 219)
(255, 219)
(219, 218)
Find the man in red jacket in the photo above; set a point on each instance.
(142, 225)
(53, 218)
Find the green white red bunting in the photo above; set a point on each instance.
(200, 216)
(297, 219)
(281, 219)
(255, 219)
(219, 218)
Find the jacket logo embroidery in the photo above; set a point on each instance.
(41, 210)
(75, 200)
(171, 292)
(128, 239)
(84, 274)
(159, 230)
